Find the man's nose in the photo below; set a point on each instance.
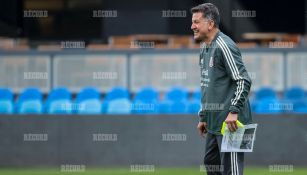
(192, 26)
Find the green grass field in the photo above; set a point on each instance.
(158, 171)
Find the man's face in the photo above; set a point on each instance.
(200, 26)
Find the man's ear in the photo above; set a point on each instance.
(211, 25)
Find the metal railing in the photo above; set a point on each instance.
(75, 69)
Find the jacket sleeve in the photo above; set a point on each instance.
(201, 115)
(235, 68)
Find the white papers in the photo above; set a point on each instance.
(242, 140)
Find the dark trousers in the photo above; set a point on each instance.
(221, 163)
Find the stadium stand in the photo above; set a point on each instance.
(300, 107)
(175, 101)
(6, 101)
(265, 93)
(193, 106)
(119, 106)
(146, 101)
(194, 102)
(88, 101)
(295, 94)
(116, 93)
(59, 101)
(177, 94)
(118, 100)
(268, 106)
(30, 102)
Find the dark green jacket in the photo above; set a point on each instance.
(225, 83)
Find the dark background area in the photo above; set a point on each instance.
(72, 19)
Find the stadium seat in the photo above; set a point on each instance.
(89, 106)
(30, 93)
(30, 102)
(193, 106)
(265, 93)
(88, 93)
(6, 101)
(294, 93)
(6, 94)
(31, 107)
(104, 106)
(119, 106)
(177, 94)
(194, 102)
(59, 101)
(196, 95)
(260, 99)
(179, 107)
(173, 107)
(63, 106)
(300, 107)
(165, 107)
(145, 101)
(144, 107)
(116, 93)
(88, 101)
(59, 93)
(268, 106)
(147, 94)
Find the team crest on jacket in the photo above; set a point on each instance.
(211, 62)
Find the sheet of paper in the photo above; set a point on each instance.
(242, 140)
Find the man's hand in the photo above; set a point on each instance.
(202, 128)
(231, 122)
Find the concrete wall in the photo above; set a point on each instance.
(137, 140)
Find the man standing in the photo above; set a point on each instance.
(225, 85)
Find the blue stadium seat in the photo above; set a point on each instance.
(300, 107)
(265, 93)
(6, 94)
(116, 93)
(147, 94)
(119, 106)
(88, 101)
(88, 93)
(261, 98)
(59, 93)
(30, 93)
(193, 106)
(294, 93)
(173, 107)
(144, 107)
(145, 101)
(6, 107)
(89, 106)
(6, 101)
(177, 94)
(269, 106)
(175, 101)
(196, 95)
(63, 106)
(253, 104)
(31, 107)
(30, 102)
(59, 101)
(165, 107)
(179, 107)
(104, 106)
